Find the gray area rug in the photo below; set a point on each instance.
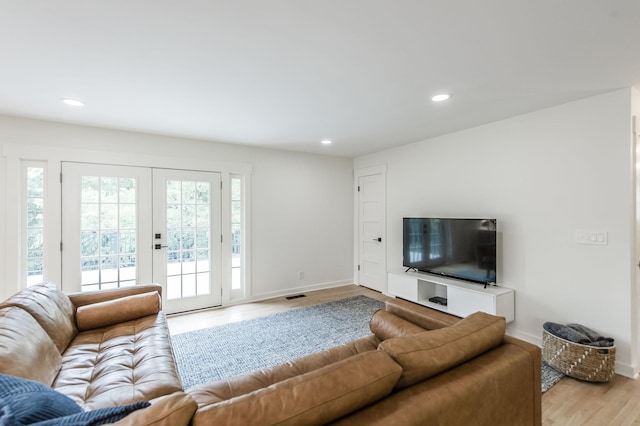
(550, 377)
(232, 349)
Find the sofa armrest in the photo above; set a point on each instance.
(535, 352)
(90, 297)
(386, 325)
(175, 409)
(427, 318)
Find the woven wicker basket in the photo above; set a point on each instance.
(590, 363)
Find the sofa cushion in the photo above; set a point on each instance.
(26, 350)
(51, 308)
(25, 402)
(119, 364)
(119, 310)
(386, 325)
(431, 352)
(317, 397)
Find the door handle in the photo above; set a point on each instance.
(378, 239)
(159, 246)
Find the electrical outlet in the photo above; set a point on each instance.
(301, 275)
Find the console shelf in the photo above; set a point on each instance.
(462, 298)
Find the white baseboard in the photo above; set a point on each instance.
(527, 337)
(626, 370)
(290, 291)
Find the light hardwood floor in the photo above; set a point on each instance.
(575, 403)
(218, 316)
(569, 403)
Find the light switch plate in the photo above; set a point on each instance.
(592, 237)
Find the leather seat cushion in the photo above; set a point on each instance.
(51, 308)
(119, 364)
(26, 350)
(431, 352)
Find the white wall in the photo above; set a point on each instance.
(302, 206)
(543, 175)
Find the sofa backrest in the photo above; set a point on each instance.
(26, 350)
(51, 308)
(426, 354)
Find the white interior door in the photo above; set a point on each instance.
(187, 238)
(106, 227)
(371, 232)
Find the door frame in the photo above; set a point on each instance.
(635, 261)
(359, 173)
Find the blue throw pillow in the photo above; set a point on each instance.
(30, 402)
(25, 402)
(96, 417)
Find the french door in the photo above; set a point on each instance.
(123, 226)
(186, 238)
(106, 238)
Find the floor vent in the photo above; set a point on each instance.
(295, 296)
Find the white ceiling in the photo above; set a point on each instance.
(286, 74)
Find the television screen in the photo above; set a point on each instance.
(457, 248)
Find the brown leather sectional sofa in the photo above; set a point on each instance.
(418, 367)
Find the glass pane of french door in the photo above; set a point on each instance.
(187, 229)
(106, 226)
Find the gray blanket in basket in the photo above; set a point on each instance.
(578, 333)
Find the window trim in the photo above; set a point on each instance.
(24, 168)
(239, 294)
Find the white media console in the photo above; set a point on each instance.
(462, 298)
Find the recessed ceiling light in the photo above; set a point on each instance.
(326, 142)
(441, 97)
(73, 102)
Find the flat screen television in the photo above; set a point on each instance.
(458, 248)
